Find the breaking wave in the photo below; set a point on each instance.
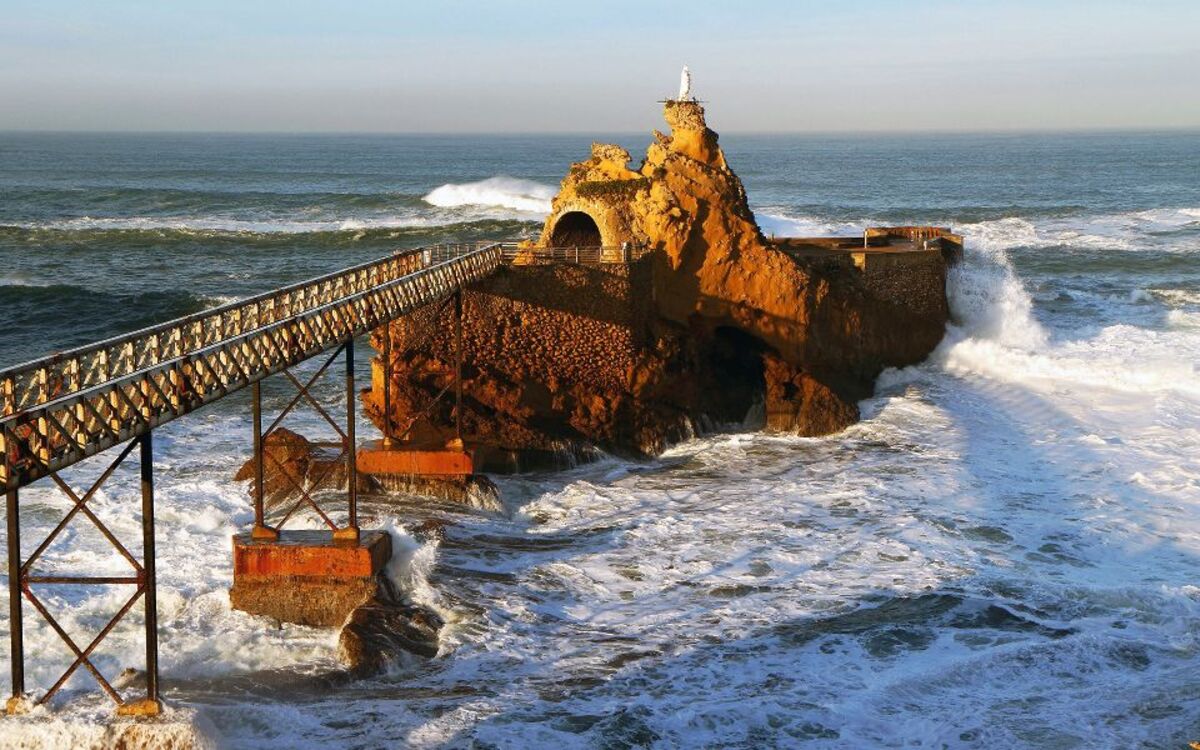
(782, 225)
(996, 332)
(1107, 231)
(525, 196)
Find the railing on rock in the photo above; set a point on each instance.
(919, 235)
(589, 255)
(60, 409)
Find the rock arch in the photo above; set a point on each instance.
(575, 229)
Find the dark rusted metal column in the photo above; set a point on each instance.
(17, 631)
(256, 407)
(260, 529)
(352, 447)
(387, 385)
(151, 591)
(458, 352)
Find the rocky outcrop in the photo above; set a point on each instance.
(385, 628)
(290, 461)
(716, 324)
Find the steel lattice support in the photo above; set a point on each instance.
(350, 531)
(22, 578)
(62, 409)
(390, 436)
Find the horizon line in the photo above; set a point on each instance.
(737, 132)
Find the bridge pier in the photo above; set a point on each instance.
(21, 579)
(307, 577)
(310, 577)
(400, 463)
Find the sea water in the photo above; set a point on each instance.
(1005, 552)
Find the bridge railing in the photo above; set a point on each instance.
(590, 255)
(62, 374)
(63, 408)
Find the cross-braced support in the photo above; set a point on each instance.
(349, 532)
(390, 437)
(22, 578)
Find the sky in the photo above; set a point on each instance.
(568, 66)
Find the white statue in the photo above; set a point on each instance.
(685, 85)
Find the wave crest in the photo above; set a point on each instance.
(500, 191)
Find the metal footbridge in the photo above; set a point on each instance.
(61, 409)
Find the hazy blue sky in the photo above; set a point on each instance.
(527, 65)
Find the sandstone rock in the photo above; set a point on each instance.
(286, 459)
(291, 460)
(715, 324)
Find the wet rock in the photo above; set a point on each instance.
(381, 631)
(286, 459)
(291, 460)
(433, 529)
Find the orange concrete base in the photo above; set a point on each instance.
(144, 707)
(309, 554)
(374, 458)
(17, 705)
(307, 577)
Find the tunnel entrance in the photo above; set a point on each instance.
(575, 229)
(735, 358)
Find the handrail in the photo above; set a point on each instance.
(580, 254)
(60, 374)
(68, 427)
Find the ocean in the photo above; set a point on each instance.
(1005, 552)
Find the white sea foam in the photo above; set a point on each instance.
(1115, 231)
(774, 224)
(525, 196)
(408, 219)
(207, 224)
(22, 279)
(1177, 297)
(1182, 319)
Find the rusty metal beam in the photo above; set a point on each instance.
(351, 448)
(149, 568)
(15, 623)
(22, 579)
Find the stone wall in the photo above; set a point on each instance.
(913, 280)
(551, 355)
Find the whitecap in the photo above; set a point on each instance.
(525, 196)
(775, 224)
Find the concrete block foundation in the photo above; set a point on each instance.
(306, 577)
(447, 463)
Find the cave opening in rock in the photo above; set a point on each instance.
(736, 361)
(575, 229)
